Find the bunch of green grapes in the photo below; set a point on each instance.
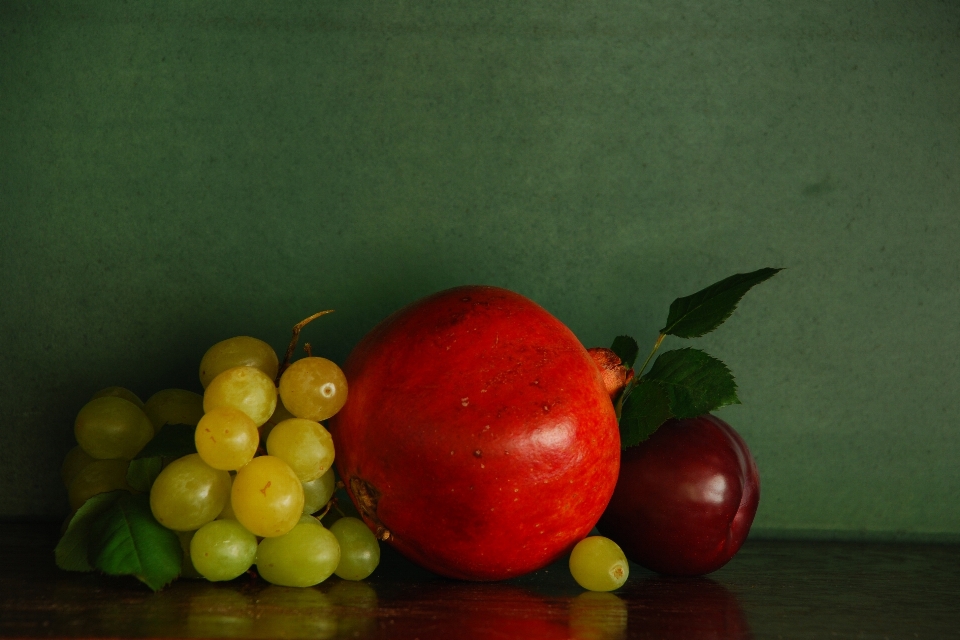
(263, 467)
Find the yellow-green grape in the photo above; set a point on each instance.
(100, 476)
(359, 549)
(313, 388)
(187, 570)
(75, 460)
(174, 406)
(242, 351)
(304, 445)
(119, 392)
(227, 512)
(598, 564)
(245, 388)
(305, 556)
(226, 438)
(317, 492)
(111, 427)
(279, 415)
(267, 497)
(223, 550)
(188, 493)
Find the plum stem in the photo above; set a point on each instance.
(638, 373)
(294, 339)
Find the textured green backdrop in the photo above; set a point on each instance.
(174, 173)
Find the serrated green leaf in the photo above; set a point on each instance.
(143, 471)
(694, 381)
(644, 410)
(127, 540)
(626, 349)
(173, 441)
(705, 310)
(71, 551)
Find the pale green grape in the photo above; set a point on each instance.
(245, 388)
(119, 392)
(111, 427)
(187, 570)
(75, 460)
(313, 388)
(174, 406)
(598, 564)
(359, 549)
(267, 496)
(279, 415)
(317, 493)
(100, 476)
(242, 351)
(227, 512)
(189, 493)
(304, 445)
(226, 438)
(223, 550)
(305, 556)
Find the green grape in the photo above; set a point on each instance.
(279, 415)
(188, 493)
(111, 427)
(598, 564)
(317, 492)
(227, 512)
(100, 476)
(75, 460)
(245, 388)
(119, 392)
(174, 406)
(226, 438)
(242, 351)
(313, 388)
(267, 496)
(305, 556)
(359, 549)
(187, 570)
(304, 445)
(223, 550)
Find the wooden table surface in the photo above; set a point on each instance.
(770, 590)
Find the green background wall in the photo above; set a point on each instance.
(175, 173)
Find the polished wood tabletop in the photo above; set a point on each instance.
(770, 590)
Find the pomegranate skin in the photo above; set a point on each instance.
(685, 498)
(477, 437)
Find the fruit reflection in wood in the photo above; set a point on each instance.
(479, 439)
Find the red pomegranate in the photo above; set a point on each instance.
(478, 438)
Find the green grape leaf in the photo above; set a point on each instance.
(71, 551)
(173, 441)
(143, 471)
(626, 349)
(705, 310)
(127, 540)
(694, 382)
(644, 410)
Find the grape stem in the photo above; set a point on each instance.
(637, 374)
(294, 339)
